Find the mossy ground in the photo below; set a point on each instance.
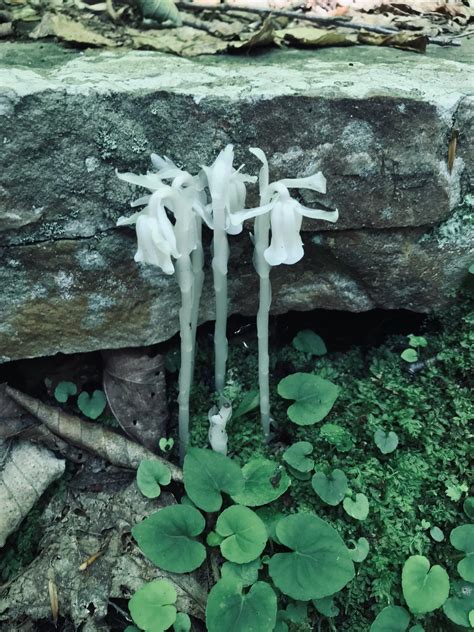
(420, 485)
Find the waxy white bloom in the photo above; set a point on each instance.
(218, 420)
(227, 189)
(158, 237)
(286, 213)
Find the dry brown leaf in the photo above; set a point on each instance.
(69, 30)
(311, 36)
(134, 384)
(404, 40)
(184, 41)
(94, 438)
(263, 37)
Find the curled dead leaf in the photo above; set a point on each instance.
(311, 36)
(68, 30)
(263, 37)
(405, 40)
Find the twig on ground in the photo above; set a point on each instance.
(295, 15)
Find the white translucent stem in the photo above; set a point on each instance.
(184, 275)
(262, 232)
(219, 269)
(197, 261)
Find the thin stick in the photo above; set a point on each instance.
(262, 235)
(192, 6)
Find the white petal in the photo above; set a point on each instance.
(126, 221)
(313, 213)
(240, 216)
(140, 201)
(316, 182)
(149, 181)
(166, 228)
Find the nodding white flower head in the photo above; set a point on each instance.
(158, 237)
(227, 189)
(286, 213)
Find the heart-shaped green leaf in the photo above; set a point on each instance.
(296, 612)
(309, 342)
(409, 355)
(460, 604)
(297, 456)
(319, 564)
(245, 574)
(63, 390)
(152, 606)
(417, 341)
(207, 474)
(166, 445)
(462, 538)
(326, 606)
(167, 538)
(391, 619)
(386, 441)
(424, 589)
(270, 517)
(358, 508)
(230, 610)
(360, 550)
(332, 488)
(150, 475)
(417, 628)
(314, 397)
(245, 534)
(264, 481)
(92, 406)
(182, 623)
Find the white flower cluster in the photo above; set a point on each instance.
(185, 199)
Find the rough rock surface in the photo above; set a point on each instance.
(377, 123)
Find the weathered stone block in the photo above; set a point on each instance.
(379, 130)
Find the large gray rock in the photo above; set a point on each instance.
(376, 122)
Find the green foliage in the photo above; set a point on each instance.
(357, 508)
(314, 397)
(360, 550)
(167, 538)
(150, 475)
(249, 402)
(297, 456)
(391, 619)
(309, 342)
(245, 534)
(152, 606)
(245, 574)
(436, 534)
(460, 603)
(425, 589)
(409, 355)
(462, 538)
(207, 474)
(92, 406)
(331, 488)
(326, 606)
(337, 436)
(468, 507)
(264, 482)
(229, 609)
(63, 391)
(386, 441)
(166, 445)
(319, 563)
(182, 623)
(417, 341)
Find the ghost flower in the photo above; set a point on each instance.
(286, 213)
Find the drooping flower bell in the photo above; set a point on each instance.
(286, 213)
